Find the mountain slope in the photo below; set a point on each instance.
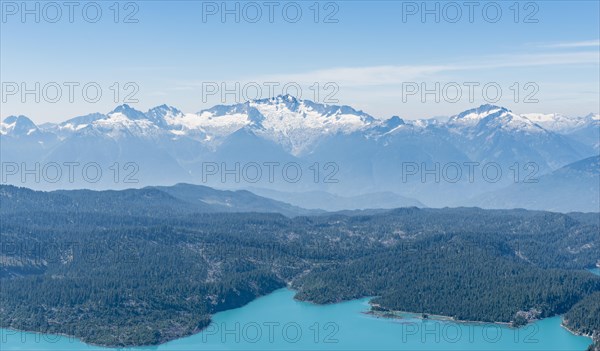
(230, 201)
(162, 201)
(495, 134)
(575, 187)
(331, 202)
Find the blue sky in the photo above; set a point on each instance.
(373, 52)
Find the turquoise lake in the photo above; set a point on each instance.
(277, 321)
(596, 271)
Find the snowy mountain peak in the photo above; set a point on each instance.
(479, 113)
(298, 124)
(390, 124)
(494, 117)
(82, 120)
(19, 120)
(286, 97)
(164, 115)
(490, 107)
(17, 126)
(394, 121)
(128, 112)
(164, 110)
(559, 123)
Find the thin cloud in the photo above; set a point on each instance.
(397, 74)
(575, 44)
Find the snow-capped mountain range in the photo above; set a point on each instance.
(561, 123)
(295, 124)
(170, 146)
(292, 123)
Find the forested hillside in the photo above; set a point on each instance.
(137, 277)
(584, 318)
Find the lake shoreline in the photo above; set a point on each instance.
(393, 314)
(587, 335)
(376, 314)
(161, 342)
(436, 317)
